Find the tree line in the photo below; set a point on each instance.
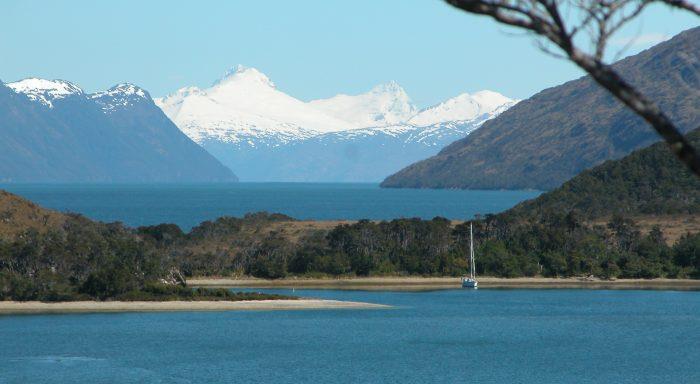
(556, 246)
(88, 260)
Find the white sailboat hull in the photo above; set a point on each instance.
(469, 283)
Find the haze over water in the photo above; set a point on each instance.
(189, 204)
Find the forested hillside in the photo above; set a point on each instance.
(650, 181)
(586, 227)
(50, 256)
(562, 245)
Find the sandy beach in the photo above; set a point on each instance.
(430, 283)
(15, 307)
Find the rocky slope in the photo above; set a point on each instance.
(545, 140)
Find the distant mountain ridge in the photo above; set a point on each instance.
(545, 140)
(267, 135)
(52, 131)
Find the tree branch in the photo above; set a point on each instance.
(682, 4)
(532, 16)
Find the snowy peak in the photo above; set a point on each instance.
(120, 96)
(45, 91)
(244, 76)
(465, 107)
(385, 104)
(242, 104)
(490, 100)
(171, 104)
(390, 88)
(245, 108)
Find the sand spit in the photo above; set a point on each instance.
(15, 307)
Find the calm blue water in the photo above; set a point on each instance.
(189, 204)
(485, 336)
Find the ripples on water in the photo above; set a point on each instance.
(485, 336)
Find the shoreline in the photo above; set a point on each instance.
(37, 307)
(433, 283)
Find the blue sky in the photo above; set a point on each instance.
(309, 48)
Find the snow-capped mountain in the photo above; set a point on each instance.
(264, 134)
(121, 96)
(53, 131)
(45, 91)
(245, 107)
(465, 107)
(383, 105)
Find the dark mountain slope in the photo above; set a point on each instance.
(113, 136)
(545, 140)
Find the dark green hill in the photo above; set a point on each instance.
(51, 256)
(650, 181)
(547, 139)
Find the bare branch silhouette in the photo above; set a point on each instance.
(601, 19)
(683, 4)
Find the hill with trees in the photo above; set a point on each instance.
(588, 226)
(50, 256)
(649, 181)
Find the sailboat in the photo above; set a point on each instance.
(470, 282)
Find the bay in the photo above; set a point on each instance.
(189, 204)
(449, 336)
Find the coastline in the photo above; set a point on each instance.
(432, 283)
(37, 307)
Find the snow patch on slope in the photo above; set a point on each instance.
(384, 104)
(45, 91)
(244, 104)
(464, 107)
(246, 109)
(122, 95)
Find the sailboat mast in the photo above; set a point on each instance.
(471, 250)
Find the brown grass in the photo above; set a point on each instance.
(673, 226)
(18, 215)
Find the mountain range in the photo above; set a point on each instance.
(552, 136)
(264, 134)
(52, 131)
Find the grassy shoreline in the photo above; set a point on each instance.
(431, 283)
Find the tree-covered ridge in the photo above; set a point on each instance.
(559, 246)
(50, 256)
(59, 256)
(648, 181)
